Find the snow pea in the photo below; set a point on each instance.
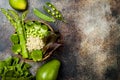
(42, 15)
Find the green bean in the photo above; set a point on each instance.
(43, 16)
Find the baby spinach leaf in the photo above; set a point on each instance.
(14, 38)
(16, 48)
(36, 55)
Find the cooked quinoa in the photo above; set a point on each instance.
(34, 43)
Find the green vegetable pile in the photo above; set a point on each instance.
(32, 40)
(54, 13)
(12, 69)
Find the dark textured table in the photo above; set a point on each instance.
(91, 37)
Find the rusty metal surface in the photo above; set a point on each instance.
(91, 37)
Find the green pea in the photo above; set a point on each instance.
(48, 11)
(53, 9)
(57, 12)
(49, 5)
(56, 16)
(53, 13)
(59, 16)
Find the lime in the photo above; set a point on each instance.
(18, 4)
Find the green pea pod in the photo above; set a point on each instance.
(53, 11)
(48, 71)
(51, 5)
(43, 16)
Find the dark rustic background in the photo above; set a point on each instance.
(91, 37)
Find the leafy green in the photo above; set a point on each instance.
(44, 31)
(14, 38)
(16, 48)
(21, 78)
(12, 69)
(36, 55)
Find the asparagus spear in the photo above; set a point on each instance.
(8, 17)
(14, 19)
